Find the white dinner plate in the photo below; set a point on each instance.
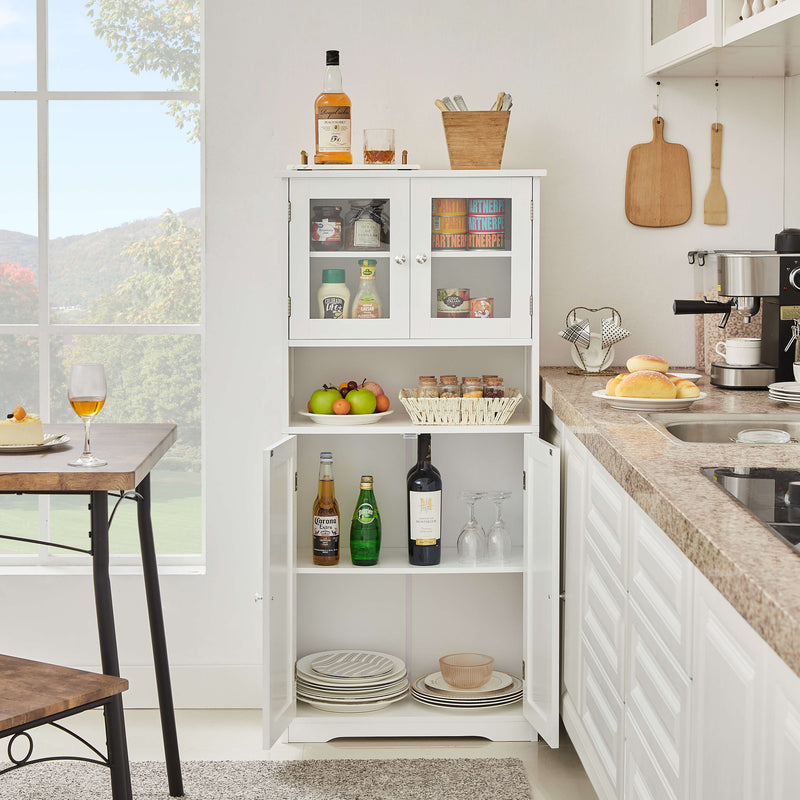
(53, 440)
(689, 376)
(306, 671)
(595, 357)
(352, 664)
(790, 387)
(437, 697)
(346, 419)
(497, 681)
(648, 403)
(341, 692)
(333, 697)
(353, 708)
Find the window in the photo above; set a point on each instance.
(101, 247)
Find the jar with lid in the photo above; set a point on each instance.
(365, 228)
(472, 387)
(448, 386)
(493, 387)
(333, 295)
(427, 386)
(326, 228)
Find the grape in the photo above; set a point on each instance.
(344, 390)
(352, 385)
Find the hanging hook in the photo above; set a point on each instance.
(716, 106)
(658, 100)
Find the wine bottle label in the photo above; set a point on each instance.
(326, 536)
(334, 132)
(425, 514)
(366, 513)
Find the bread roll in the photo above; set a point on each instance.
(674, 378)
(687, 388)
(647, 383)
(611, 386)
(655, 363)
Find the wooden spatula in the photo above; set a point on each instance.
(658, 184)
(715, 208)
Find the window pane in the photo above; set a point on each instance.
(150, 379)
(117, 169)
(17, 45)
(19, 255)
(19, 517)
(19, 373)
(98, 45)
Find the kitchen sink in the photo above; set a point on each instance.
(694, 428)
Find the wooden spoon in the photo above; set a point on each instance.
(715, 208)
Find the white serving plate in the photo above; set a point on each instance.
(353, 708)
(346, 419)
(648, 403)
(790, 388)
(309, 675)
(496, 682)
(352, 664)
(53, 440)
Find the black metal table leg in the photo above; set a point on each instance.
(109, 657)
(159, 640)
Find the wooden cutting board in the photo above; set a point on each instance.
(658, 185)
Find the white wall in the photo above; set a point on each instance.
(580, 103)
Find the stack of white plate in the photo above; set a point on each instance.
(351, 680)
(787, 392)
(502, 689)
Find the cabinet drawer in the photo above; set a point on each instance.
(606, 518)
(643, 781)
(661, 584)
(602, 715)
(658, 700)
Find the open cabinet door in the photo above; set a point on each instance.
(541, 587)
(280, 507)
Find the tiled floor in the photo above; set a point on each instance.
(236, 735)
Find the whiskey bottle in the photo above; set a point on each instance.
(332, 116)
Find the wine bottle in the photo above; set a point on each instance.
(325, 516)
(424, 508)
(332, 116)
(365, 529)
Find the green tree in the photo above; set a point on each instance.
(160, 36)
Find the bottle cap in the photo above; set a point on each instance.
(367, 262)
(332, 58)
(333, 276)
(326, 457)
(366, 482)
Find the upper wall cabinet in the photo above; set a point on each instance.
(705, 38)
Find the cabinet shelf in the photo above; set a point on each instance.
(395, 561)
(372, 341)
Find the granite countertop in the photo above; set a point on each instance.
(757, 572)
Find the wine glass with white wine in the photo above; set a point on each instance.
(87, 395)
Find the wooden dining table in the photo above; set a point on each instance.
(132, 450)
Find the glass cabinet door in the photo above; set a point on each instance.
(470, 258)
(675, 30)
(348, 256)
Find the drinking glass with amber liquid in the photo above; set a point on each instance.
(379, 146)
(86, 391)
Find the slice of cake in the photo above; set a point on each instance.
(21, 428)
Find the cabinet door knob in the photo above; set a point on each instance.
(422, 258)
(400, 259)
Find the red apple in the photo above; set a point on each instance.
(373, 387)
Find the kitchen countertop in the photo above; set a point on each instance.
(754, 570)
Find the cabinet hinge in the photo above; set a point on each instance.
(289, 214)
(524, 480)
(530, 305)
(523, 669)
(295, 481)
(531, 210)
(289, 307)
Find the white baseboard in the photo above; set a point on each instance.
(203, 686)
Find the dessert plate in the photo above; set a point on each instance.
(51, 440)
(497, 681)
(648, 403)
(352, 664)
(346, 419)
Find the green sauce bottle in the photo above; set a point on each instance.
(365, 530)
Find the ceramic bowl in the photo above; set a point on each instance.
(466, 670)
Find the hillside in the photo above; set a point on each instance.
(83, 267)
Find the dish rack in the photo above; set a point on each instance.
(459, 410)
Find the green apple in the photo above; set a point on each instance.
(322, 400)
(362, 401)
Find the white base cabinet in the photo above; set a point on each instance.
(668, 692)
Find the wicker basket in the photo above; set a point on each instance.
(459, 410)
(475, 139)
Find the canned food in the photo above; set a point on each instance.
(449, 223)
(452, 303)
(481, 307)
(486, 223)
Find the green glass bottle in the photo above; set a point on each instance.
(365, 530)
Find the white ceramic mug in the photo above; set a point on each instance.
(740, 352)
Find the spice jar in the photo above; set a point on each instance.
(428, 387)
(472, 387)
(494, 387)
(326, 228)
(448, 386)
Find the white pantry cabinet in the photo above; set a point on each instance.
(415, 613)
(721, 38)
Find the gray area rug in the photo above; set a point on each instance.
(332, 779)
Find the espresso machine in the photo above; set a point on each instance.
(748, 282)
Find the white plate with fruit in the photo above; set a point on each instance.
(351, 403)
(346, 419)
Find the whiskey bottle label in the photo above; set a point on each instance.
(334, 130)
(425, 513)
(326, 536)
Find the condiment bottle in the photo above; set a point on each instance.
(325, 533)
(365, 529)
(333, 295)
(367, 304)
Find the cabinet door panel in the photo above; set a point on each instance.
(606, 518)
(643, 780)
(782, 770)
(280, 514)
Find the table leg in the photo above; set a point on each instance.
(109, 657)
(159, 640)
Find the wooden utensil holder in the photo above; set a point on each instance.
(475, 139)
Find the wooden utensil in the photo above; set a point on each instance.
(658, 184)
(715, 208)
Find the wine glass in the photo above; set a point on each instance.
(498, 540)
(86, 391)
(471, 544)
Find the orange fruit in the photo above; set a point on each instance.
(19, 413)
(383, 402)
(341, 406)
